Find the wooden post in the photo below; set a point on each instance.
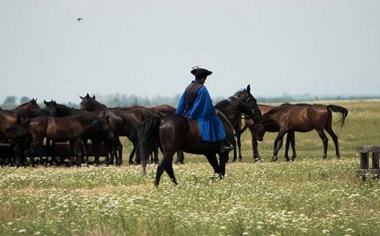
(364, 161)
(375, 160)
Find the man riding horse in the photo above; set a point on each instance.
(196, 103)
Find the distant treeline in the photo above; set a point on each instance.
(120, 100)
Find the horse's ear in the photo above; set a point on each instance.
(46, 103)
(249, 88)
(93, 97)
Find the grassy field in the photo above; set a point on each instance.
(310, 196)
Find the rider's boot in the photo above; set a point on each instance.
(224, 146)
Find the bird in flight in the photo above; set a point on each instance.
(79, 19)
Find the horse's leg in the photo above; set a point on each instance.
(52, 153)
(71, 154)
(325, 141)
(238, 137)
(137, 153)
(169, 170)
(180, 157)
(131, 162)
(119, 152)
(155, 155)
(35, 147)
(288, 136)
(85, 150)
(78, 152)
(165, 165)
(291, 138)
(335, 139)
(255, 149)
(95, 151)
(17, 157)
(278, 144)
(214, 163)
(223, 158)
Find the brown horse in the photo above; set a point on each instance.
(250, 124)
(32, 104)
(302, 118)
(174, 132)
(60, 129)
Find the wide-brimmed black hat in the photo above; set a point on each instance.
(200, 72)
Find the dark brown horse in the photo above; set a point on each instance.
(242, 102)
(136, 114)
(250, 124)
(9, 119)
(302, 118)
(120, 124)
(60, 129)
(174, 132)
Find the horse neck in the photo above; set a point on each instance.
(25, 106)
(94, 106)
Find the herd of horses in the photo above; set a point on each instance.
(31, 131)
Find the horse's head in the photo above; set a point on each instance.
(89, 103)
(51, 107)
(32, 104)
(249, 103)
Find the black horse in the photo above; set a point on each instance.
(174, 132)
(234, 107)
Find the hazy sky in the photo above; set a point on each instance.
(147, 47)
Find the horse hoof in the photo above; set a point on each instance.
(273, 159)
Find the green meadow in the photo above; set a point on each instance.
(309, 196)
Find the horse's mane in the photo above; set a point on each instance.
(63, 110)
(97, 102)
(240, 92)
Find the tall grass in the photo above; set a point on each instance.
(310, 196)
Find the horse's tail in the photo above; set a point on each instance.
(148, 136)
(340, 109)
(19, 130)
